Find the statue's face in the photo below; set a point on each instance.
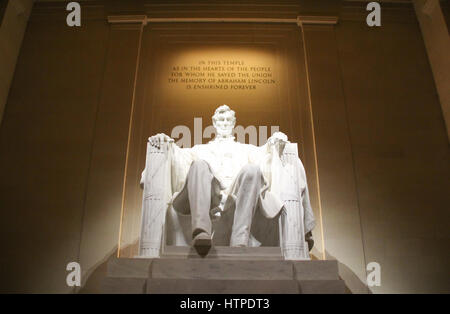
(224, 123)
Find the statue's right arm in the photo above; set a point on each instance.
(156, 141)
(181, 158)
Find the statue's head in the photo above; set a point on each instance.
(224, 120)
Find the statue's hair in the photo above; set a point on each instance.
(222, 109)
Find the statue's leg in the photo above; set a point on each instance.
(199, 183)
(247, 188)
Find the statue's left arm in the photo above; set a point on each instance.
(262, 154)
(275, 147)
(308, 215)
(308, 212)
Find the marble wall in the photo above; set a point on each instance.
(400, 154)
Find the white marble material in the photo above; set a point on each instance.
(285, 186)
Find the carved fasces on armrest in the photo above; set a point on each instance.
(155, 161)
(292, 233)
(290, 153)
(290, 183)
(157, 193)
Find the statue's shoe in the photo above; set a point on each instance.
(202, 239)
(202, 243)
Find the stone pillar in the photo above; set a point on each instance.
(334, 157)
(101, 223)
(437, 42)
(12, 29)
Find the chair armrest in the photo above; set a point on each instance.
(157, 193)
(290, 153)
(295, 242)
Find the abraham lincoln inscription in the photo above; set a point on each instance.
(222, 74)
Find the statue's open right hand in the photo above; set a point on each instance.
(159, 138)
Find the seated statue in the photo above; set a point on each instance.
(241, 189)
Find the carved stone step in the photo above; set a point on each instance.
(218, 269)
(300, 270)
(123, 285)
(316, 270)
(194, 275)
(129, 267)
(225, 252)
(322, 286)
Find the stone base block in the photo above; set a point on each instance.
(181, 274)
(221, 269)
(123, 285)
(322, 286)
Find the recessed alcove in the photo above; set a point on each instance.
(186, 70)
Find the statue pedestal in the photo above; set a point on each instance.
(224, 270)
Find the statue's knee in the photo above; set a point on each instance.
(199, 165)
(252, 171)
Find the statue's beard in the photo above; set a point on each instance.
(228, 133)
